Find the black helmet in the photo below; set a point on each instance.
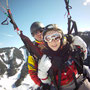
(36, 26)
(51, 27)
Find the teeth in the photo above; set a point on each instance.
(54, 45)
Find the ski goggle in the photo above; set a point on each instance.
(56, 36)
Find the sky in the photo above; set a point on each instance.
(25, 12)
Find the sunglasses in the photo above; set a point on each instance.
(36, 32)
(50, 38)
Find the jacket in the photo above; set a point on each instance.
(33, 64)
(65, 53)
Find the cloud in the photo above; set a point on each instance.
(86, 2)
(8, 35)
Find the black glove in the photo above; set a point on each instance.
(77, 53)
(44, 87)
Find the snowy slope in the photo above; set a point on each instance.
(12, 61)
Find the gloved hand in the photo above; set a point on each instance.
(77, 53)
(43, 67)
(44, 87)
(86, 72)
(79, 42)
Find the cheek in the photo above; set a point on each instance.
(50, 45)
(36, 36)
(42, 36)
(54, 46)
(58, 45)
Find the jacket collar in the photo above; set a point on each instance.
(38, 42)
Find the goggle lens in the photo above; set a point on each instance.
(56, 36)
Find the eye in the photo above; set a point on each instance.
(57, 38)
(48, 39)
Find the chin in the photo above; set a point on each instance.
(54, 49)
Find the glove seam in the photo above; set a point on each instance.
(44, 78)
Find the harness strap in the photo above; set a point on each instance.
(79, 84)
(5, 22)
(52, 75)
(31, 65)
(74, 77)
(75, 80)
(59, 80)
(74, 26)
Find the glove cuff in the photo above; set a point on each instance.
(46, 81)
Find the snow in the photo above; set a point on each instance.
(7, 83)
(4, 56)
(11, 53)
(18, 61)
(24, 53)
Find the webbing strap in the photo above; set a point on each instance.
(74, 26)
(5, 22)
(31, 65)
(75, 80)
(59, 80)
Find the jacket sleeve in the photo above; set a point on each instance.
(32, 69)
(80, 42)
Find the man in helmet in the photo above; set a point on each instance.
(36, 31)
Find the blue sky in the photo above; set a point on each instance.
(25, 12)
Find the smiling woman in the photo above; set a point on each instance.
(62, 61)
(53, 36)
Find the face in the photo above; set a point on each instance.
(53, 39)
(38, 36)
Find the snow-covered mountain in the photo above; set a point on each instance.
(13, 67)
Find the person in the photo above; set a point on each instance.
(36, 31)
(61, 66)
